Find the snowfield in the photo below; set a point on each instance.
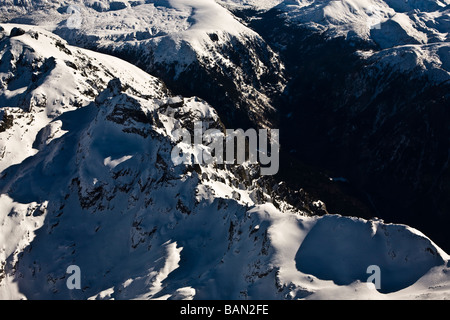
(86, 179)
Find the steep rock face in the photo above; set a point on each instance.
(100, 191)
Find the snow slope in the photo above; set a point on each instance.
(100, 191)
(38, 73)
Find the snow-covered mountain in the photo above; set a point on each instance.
(88, 180)
(196, 47)
(360, 89)
(388, 23)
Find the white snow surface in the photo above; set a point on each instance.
(53, 80)
(147, 229)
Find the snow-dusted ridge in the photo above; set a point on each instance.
(97, 189)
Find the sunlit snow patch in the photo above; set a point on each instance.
(341, 249)
(108, 162)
